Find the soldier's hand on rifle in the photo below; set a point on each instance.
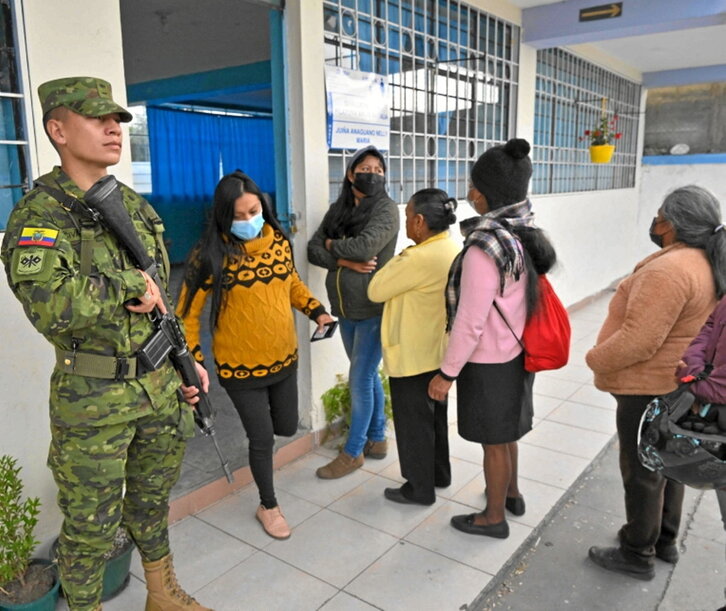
(150, 299)
(190, 392)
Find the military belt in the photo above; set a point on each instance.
(97, 366)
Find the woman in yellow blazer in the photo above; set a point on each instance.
(413, 336)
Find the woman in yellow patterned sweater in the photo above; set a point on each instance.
(243, 262)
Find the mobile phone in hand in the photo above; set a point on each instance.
(326, 332)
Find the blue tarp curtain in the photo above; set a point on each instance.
(190, 149)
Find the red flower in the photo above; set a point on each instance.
(604, 132)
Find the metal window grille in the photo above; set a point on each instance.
(453, 73)
(13, 141)
(569, 100)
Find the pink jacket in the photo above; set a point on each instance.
(479, 335)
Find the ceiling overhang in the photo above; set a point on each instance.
(559, 25)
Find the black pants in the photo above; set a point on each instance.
(266, 412)
(653, 503)
(422, 437)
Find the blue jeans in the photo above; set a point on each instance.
(362, 342)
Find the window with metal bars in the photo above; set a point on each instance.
(572, 96)
(13, 142)
(452, 73)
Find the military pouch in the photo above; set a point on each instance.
(155, 350)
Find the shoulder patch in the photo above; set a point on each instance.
(29, 263)
(38, 236)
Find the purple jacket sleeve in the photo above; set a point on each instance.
(713, 388)
(695, 354)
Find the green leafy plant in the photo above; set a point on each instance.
(604, 132)
(337, 407)
(17, 523)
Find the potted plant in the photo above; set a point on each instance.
(25, 583)
(602, 139)
(337, 406)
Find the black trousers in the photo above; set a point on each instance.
(422, 437)
(266, 412)
(653, 504)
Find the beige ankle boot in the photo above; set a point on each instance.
(164, 591)
(342, 465)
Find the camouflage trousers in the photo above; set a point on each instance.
(106, 475)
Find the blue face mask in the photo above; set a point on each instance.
(246, 230)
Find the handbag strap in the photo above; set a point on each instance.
(506, 322)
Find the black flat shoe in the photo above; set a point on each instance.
(465, 523)
(396, 495)
(612, 559)
(515, 505)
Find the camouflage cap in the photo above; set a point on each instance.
(85, 95)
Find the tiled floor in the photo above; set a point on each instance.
(352, 549)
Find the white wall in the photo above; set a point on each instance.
(26, 361)
(659, 180)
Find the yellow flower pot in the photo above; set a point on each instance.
(601, 153)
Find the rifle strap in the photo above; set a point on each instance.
(88, 221)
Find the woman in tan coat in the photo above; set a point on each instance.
(653, 316)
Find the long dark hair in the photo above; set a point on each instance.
(695, 214)
(218, 245)
(345, 219)
(539, 257)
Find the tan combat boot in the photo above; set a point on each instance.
(343, 464)
(165, 593)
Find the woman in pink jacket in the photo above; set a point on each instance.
(493, 279)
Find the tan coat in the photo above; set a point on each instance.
(653, 316)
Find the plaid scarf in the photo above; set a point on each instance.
(491, 232)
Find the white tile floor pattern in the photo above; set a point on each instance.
(353, 550)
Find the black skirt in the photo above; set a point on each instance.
(494, 401)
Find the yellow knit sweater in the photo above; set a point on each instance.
(255, 334)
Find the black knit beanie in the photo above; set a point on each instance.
(502, 173)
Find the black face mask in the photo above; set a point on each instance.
(656, 238)
(369, 183)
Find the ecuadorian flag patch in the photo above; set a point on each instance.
(38, 236)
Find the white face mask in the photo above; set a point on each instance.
(246, 230)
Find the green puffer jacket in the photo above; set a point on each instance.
(347, 289)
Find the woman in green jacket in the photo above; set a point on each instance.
(414, 340)
(357, 237)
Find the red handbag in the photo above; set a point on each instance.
(546, 336)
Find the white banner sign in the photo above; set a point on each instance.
(358, 109)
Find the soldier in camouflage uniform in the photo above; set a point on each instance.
(114, 426)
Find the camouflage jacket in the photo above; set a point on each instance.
(41, 253)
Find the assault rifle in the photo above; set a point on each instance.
(168, 341)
